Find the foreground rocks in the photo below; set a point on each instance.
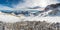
(30, 25)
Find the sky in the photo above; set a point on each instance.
(17, 4)
(10, 3)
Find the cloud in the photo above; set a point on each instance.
(30, 3)
(33, 3)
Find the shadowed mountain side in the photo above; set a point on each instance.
(25, 13)
(55, 9)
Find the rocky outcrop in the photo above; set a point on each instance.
(31, 25)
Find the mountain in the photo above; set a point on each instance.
(24, 12)
(6, 11)
(50, 10)
(33, 14)
(55, 9)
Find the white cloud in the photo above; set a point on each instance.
(32, 3)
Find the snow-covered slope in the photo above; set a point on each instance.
(50, 14)
(8, 18)
(13, 18)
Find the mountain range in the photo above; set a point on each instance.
(50, 10)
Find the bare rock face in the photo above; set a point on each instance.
(1, 25)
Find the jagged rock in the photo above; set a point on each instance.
(30, 25)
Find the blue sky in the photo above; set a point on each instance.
(15, 2)
(10, 2)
